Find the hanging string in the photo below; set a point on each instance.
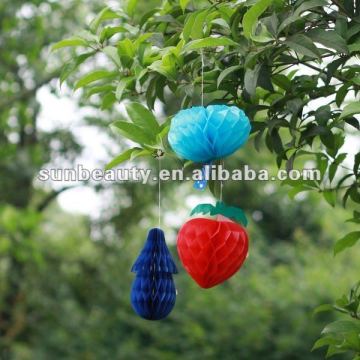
(159, 191)
(221, 182)
(202, 78)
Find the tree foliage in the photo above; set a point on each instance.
(276, 59)
(65, 280)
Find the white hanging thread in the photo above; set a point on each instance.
(221, 182)
(202, 78)
(202, 104)
(159, 192)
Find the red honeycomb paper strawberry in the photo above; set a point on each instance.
(212, 250)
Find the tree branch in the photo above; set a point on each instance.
(53, 195)
(26, 93)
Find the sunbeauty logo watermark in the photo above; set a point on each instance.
(208, 172)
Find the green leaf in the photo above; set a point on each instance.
(310, 4)
(227, 72)
(323, 308)
(105, 14)
(112, 53)
(297, 190)
(131, 6)
(142, 117)
(332, 171)
(126, 155)
(140, 153)
(305, 6)
(108, 101)
(341, 326)
(329, 39)
(351, 109)
(356, 163)
(330, 197)
(347, 241)
(132, 132)
(121, 87)
(341, 93)
(282, 81)
(99, 89)
(250, 18)
(109, 31)
(303, 45)
(251, 79)
(188, 26)
(183, 4)
(208, 42)
(93, 76)
(74, 41)
(333, 167)
(324, 341)
(70, 67)
(197, 31)
(354, 47)
(126, 52)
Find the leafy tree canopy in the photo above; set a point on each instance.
(276, 59)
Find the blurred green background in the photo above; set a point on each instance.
(64, 271)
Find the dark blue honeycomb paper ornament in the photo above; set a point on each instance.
(153, 292)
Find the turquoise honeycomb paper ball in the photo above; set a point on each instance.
(202, 134)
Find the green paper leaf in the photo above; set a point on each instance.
(230, 212)
(202, 209)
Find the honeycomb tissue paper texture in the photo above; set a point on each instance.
(153, 293)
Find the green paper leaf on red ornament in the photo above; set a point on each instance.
(231, 212)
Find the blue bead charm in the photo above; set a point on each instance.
(201, 183)
(202, 134)
(153, 292)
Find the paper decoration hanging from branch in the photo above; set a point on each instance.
(153, 293)
(213, 250)
(203, 134)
